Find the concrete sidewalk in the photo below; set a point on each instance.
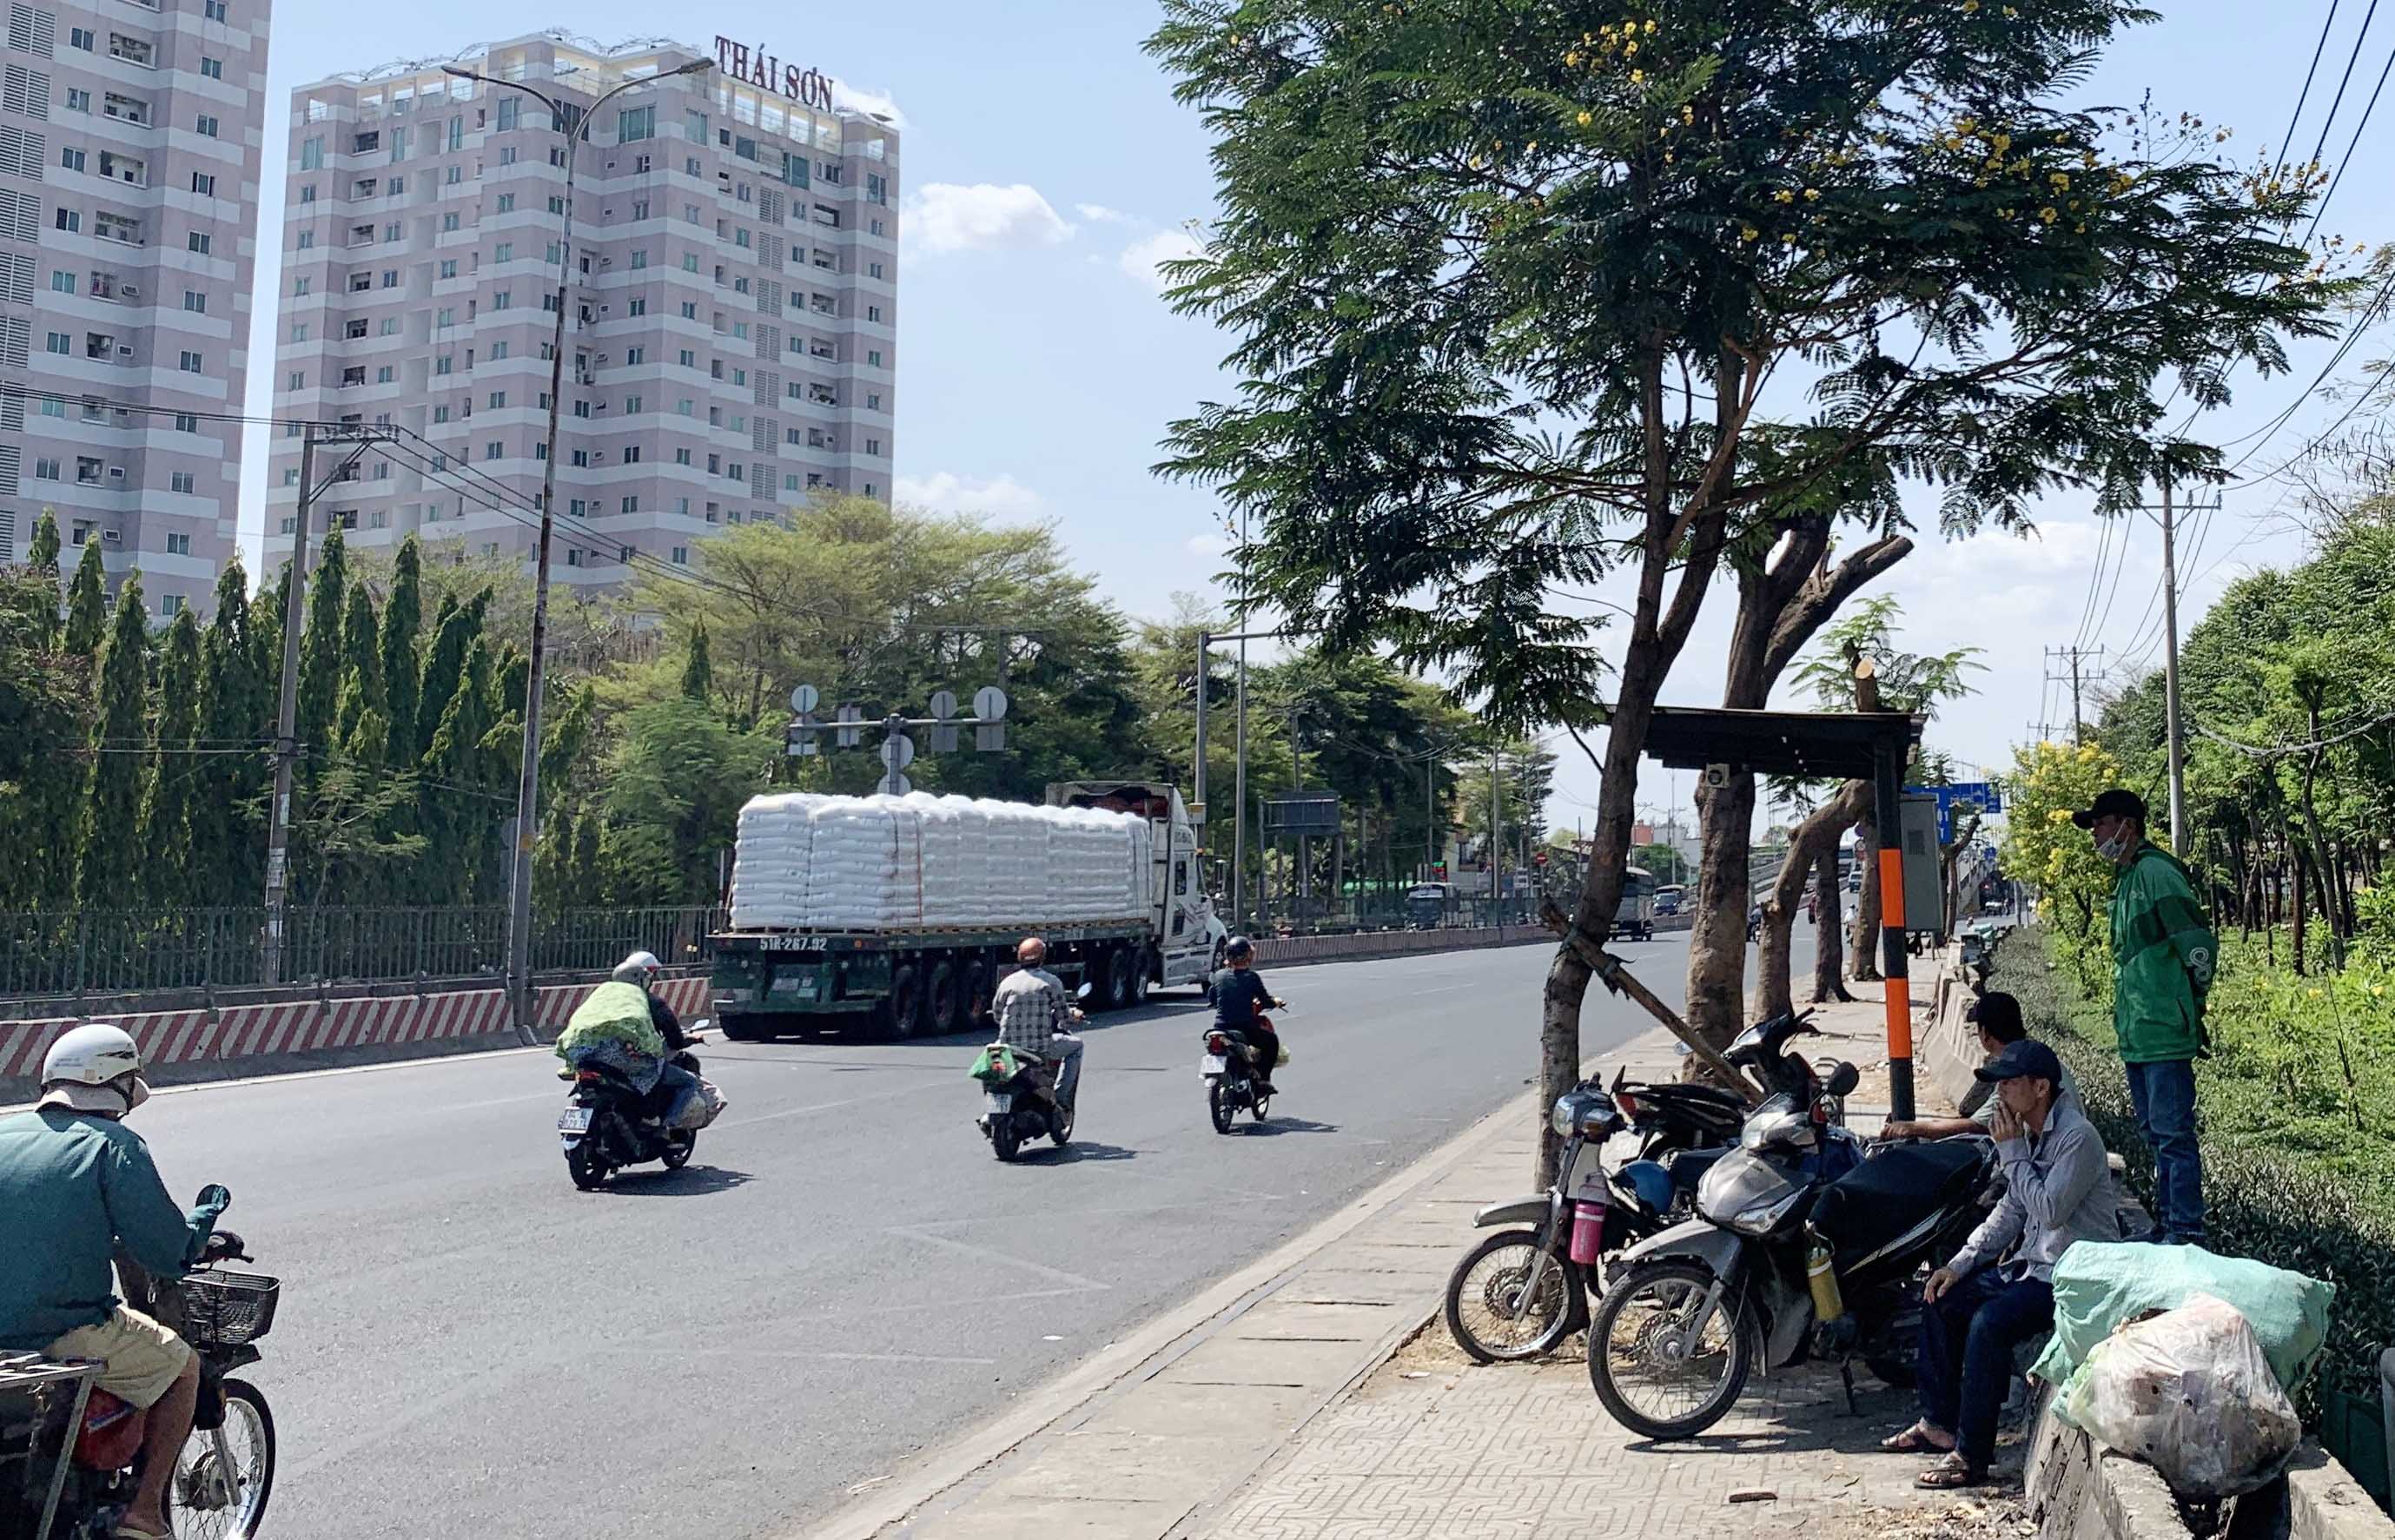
(1272, 1407)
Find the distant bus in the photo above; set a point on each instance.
(1426, 904)
(1635, 916)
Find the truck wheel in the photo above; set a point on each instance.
(974, 999)
(1143, 975)
(1121, 962)
(940, 1000)
(905, 1003)
(739, 1031)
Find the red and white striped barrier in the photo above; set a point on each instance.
(24, 1043)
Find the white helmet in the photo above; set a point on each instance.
(95, 1068)
(641, 967)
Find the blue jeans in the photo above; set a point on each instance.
(2163, 1095)
(1967, 1339)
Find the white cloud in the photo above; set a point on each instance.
(1143, 260)
(1207, 546)
(945, 216)
(1000, 496)
(876, 104)
(1099, 214)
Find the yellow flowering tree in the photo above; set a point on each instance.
(2042, 847)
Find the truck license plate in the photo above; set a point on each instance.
(1211, 1064)
(574, 1120)
(801, 986)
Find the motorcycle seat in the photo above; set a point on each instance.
(1896, 1187)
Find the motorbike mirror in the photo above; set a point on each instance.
(1842, 1080)
(702, 1024)
(216, 1195)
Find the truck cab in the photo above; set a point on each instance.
(1189, 935)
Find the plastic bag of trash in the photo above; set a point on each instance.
(2189, 1392)
(2098, 1286)
(703, 1109)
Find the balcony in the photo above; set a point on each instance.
(132, 50)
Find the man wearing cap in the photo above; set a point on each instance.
(2162, 957)
(1998, 1017)
(1998, 1291)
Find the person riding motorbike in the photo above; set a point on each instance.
(74, 1184)
(675, 1085)
(1030, 1006)
(1239, 1001)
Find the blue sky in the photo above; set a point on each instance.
(1046, 165)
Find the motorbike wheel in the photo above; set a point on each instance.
(1655, 1387)
(1005, 1139)
(1894, 1355)
(1220, 1105)
(1482, 1290)
(584, 1164)
(679, 1146)
(220, 1493)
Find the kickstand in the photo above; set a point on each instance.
(1846, 1377)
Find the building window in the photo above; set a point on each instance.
(502, 300)
(383, 375)
(636, 356)
(299, 331)
(507, 155)
(681, 456)
(688, 359)
(171, 604)
(302, 285)
(499, 401)
(494, 450)
(439, 413)
(873, 401)
(635, 123)
(72, 159)
(873, 357)
(81, 37)
(195, 302)
(873, 446)
(69, 220)
(499, 351)
(449, 268)
(179, 482)
(212, 68)
(206, 125)
(510, 112)
(681, 556)
(873, 313)
(640, 260)
(311, 154)
(179, 545)
(574, 555)
(201, 243)
(216, 10)
(191, 364)
(632, 455)
(64, 282)
(507, 202)
(504, 252)
(203, 183)
(187, 422)
(47, 471)
(307, 240)
(448, 223)
(297, 381)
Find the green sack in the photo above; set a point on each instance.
(2098, 1286)
(996, 1065)
(615, 1012)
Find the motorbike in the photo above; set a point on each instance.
(1526, 1288)
(1230, 1069)
(1806, 1244)
(225, 1471)
(609, 1122)
(1019, 1097)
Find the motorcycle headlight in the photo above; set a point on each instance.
(1561, 1119)
(1589, 1113)
(1746, 1193)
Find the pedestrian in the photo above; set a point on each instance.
(1998, 1291)
(2163, 954)
(1998, 1017)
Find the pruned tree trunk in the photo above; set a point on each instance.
(1814, 842)
(1829, 956)
(1863, 941)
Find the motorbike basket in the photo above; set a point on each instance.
(227, 1309)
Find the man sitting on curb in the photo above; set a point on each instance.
(1978, 1308)
(1998, 1017)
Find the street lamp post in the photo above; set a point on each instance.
(528, 774)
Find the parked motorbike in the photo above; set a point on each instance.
(1523, 1290)
(225, 1471)
(1234, 1071)
(1019, 1097)
(1677, 1115)
(1806, 1244)
(609, 1122)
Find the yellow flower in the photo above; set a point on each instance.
(1572, 59)
(1583, 120)
(1970, 6)
(2313, 993)
(2001, 143)
(1967, 125)
(1637, 77)
(1651, 26)
(1812, 194)
(2082, 227)
(1687, 114)
(1978, 181)
(2060, 183)
(1474, 163)
(1628, 49)
(1788, 240)
(2059, 815)
(1749, 233)
(2011, 15)
(1784, 196)
(2087, 756)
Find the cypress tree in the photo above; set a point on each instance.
(86, 603)
(698, 670)
(402, 626)
(173, 792)
(459, 626)
(41, 555)
(320, 646)
(109, 827)
(450, 813)
(234, 708)
(362, 682)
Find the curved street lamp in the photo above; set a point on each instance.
(528, 775)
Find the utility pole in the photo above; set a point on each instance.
(1496, 824)
(2074, 658)
(2170, 679)
(287, 712)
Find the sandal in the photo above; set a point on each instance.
(1914, 1440)
(1951, 1474)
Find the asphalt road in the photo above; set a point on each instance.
(841, 1277)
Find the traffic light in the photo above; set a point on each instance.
(1439, 872)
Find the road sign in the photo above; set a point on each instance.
(896, 784)
(804, 698)
(851, 733)
(944, 703)
(800, 740)
(1302, 813)
(989, 704)
(943, 735)
(898, 751)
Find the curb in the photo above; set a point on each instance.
(1156, 1345)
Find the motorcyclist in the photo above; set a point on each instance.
(1030, 1008)
(1239, 1000)
(675, 1084)
(74, 1184)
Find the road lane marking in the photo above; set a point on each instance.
(988, 1253)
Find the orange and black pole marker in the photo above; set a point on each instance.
(1887, 812)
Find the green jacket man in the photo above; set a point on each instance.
(2163, 954)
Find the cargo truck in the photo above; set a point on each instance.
(898, 915)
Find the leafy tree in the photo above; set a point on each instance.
(42, 557)
(362, 680)
(236, 707)
(108, 830)
(457, 807)
(675, 784)
(44, 706)
(455, 630)
(86, 603)
(402, 626)
(175, 770)
(1507, 288)
(697, 670)
(322, 663)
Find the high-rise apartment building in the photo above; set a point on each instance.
(130, 136)
(731, 346)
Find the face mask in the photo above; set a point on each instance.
(2114, 848)
(135, 1091)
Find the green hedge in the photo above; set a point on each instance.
(2262, 1201)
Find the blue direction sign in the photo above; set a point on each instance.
(1981, 795)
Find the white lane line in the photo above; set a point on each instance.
(987, 1254)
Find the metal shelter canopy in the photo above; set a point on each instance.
(1841, 746)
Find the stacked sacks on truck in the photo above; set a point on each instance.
(770, 880)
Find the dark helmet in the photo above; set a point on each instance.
(1238, 946)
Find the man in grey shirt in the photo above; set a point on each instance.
(1031, 1009)
(1998, 1291)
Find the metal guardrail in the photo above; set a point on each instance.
(122, 951)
